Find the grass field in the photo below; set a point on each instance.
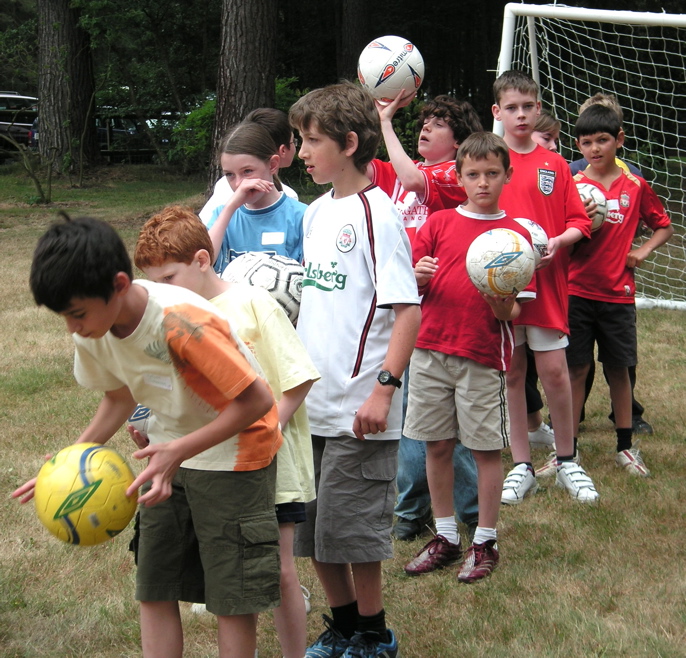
(608, 580)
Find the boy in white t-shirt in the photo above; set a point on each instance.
(209, 481)
(359, 317)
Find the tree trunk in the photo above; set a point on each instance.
(247, 67)
(66, 87)
(352, 34)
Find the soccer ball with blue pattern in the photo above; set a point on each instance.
(500, 262)
(80, 494)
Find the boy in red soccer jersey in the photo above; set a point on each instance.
(541, 189)
(601, 275)
(463, 350)
(417, 189)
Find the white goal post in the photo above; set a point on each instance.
(640, 58)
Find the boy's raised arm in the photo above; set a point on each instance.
(409, 176)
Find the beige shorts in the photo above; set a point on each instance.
(451, 393)
(540, 339)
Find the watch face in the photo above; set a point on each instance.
(384, 376)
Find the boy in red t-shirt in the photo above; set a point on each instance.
(601, 275)
(417, 189)
(463, 349)
(541, 189)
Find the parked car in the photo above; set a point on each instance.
(17, 114)
(119, 138)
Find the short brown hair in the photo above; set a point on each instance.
(175, 234)
(478, 146)
(517, 80)
(337, 110)
(459, 115)
(607, 100)
(547, 123)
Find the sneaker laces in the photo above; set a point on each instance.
(331, 636)
(362, 644)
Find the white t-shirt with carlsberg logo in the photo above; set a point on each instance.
(357, 265)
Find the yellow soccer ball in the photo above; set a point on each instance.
(80, 494)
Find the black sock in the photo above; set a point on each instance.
(345, 619)
(376, 623)
(623, 438)
(568, 458)
(529, 465)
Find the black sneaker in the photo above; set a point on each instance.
(409, 529)
(640, 426)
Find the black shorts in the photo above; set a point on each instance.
(611, 325)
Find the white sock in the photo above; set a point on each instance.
(482, 535)
(447, 526)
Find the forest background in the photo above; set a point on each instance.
(189, 70)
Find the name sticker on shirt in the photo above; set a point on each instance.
(275, 237)
(158, 381)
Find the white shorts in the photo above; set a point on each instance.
(540, 339)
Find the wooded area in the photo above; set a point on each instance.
(159, 61)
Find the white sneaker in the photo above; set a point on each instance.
(543, 437)
(519, 483)
(572, 477)
(198, 608)
(632, 462)
(306, 596)
(550, 466)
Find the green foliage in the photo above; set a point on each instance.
(287, 93)
(191, 139)
(18, 57)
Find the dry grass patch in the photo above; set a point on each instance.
(574, 580)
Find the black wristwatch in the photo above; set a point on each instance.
(386, 379)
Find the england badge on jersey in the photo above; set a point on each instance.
(546, 181)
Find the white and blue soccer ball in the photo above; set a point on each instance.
(539, 238)
(140, 418)
(281, 276)
(500, 262)
(389, 65)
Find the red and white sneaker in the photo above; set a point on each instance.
(632, 462)
(550, 466)
(437, 554)
(480, 561)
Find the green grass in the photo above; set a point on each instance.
(574, 581)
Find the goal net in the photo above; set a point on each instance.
(640, 58)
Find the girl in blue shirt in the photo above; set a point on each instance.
(258, 216)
